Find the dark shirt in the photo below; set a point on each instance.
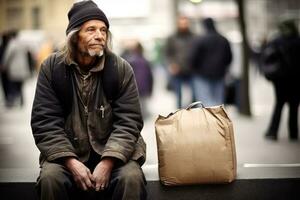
(79, 121)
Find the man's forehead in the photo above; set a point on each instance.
(94, 22)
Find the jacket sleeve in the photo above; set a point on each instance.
(47, 119)
(228, 53)
(127, 117)
(170, 50)
(196, 54)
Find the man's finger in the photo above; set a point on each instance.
(83, 186)
(91, 176)
(88, 182)
(97, 187)
(87, 179)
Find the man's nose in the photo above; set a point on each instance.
(98, 34)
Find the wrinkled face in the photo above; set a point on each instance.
(92, 38)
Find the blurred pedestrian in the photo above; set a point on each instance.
(143, 74)
(86, 118)
(5, 37)
(281, 65)
(210, 58)
(17, 67)
(177, 48)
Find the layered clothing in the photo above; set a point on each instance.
(66, 122)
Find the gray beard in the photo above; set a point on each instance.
(95, 53)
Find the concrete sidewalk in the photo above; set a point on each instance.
(257, 157)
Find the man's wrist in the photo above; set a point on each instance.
(67, 162)
(109, 161)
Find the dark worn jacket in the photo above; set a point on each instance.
(211, 55)
(143, 73)
(282, 52)
(118, 133)
(177, 50)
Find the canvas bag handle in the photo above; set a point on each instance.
(194, 104)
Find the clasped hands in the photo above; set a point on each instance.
(84, 179)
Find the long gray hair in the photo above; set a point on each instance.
(70, 47)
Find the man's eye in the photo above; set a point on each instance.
(90, 29)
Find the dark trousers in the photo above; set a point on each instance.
(17, 91)
(285, 94)
(4, 83)
(177, 85)
(56, 182)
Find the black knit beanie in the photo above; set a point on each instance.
(82, 12)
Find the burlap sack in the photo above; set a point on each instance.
(195, 146)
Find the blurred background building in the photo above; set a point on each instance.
(145, 20)
(46, 15)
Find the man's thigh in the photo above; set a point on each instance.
(130, 169)
(54, 170)
(124, 179)
(54, 180)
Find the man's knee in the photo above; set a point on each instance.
(128, 177)
(54, 182)
(53, 176)
(132, 175)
